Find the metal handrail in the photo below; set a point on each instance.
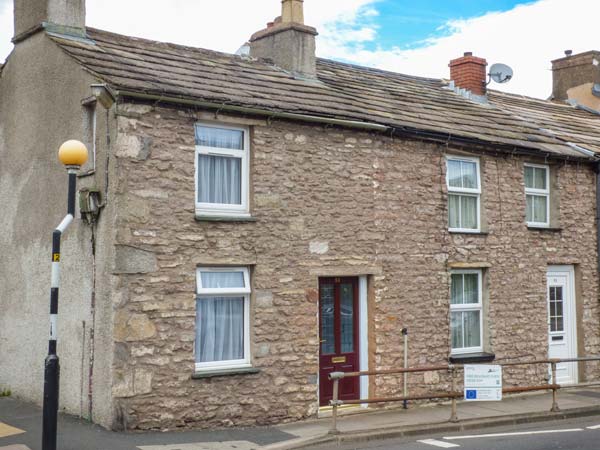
(453, 394)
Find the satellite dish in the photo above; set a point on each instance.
(500, 73)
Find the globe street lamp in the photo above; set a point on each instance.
(73, 154)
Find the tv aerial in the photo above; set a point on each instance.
(500, 73)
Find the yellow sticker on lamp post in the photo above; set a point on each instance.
(483, 382)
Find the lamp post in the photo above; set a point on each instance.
(73, 154)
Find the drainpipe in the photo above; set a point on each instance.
(405, 390)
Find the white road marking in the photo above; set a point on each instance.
(595, 427)
(438, 443)
(225, 445)
(523, 433)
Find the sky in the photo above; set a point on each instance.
(417, 37)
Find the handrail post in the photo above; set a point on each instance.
(454, 414)
(555, 407)
(335, 402)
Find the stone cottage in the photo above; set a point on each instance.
(249, 223)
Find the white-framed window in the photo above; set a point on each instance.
(222, 318)
(222, 170)
(537, 195)
(466, 310)
(464, 193)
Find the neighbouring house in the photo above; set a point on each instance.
(249, 223)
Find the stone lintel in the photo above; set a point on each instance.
(346, 271)
(219, 117)
(225, 262)
(468, 265)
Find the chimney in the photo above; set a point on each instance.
(66, 16)
(577, 78)
(468, 72)
(288, 42)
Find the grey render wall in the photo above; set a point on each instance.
(40, 107)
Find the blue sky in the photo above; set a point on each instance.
(407, 23)
(417, 37)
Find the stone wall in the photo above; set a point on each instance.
(326, 200)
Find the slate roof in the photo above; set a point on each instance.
(342, 91)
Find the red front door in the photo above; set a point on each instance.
(338, 317)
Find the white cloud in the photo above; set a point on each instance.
(526, 38)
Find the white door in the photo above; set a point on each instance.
(562, 326)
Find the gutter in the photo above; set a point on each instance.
(256, 111)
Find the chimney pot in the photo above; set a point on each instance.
(292, 11)
(469, 72)
(568, 53)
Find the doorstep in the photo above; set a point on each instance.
(327, 411)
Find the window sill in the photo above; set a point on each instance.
(470, 358)
(538, 228)
(225, 373)
(475, 233)
(201, 218)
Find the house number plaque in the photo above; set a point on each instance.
(338, 359)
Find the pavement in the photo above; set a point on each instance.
(20, 425)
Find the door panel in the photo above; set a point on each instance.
(562, 326)
(339, 352)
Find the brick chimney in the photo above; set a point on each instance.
(66, 15)
(469, 72)
(288, 42)
(577, 77)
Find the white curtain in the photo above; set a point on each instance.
(219, 179)
(462, 211)
(468, 210)
(472, 328)
(454, 174)
(220, 329)
(465, 326)
(219, 138)
(535, 177)
(220, 319)
(462, 174)
(220, 280)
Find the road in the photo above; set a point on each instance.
(573, 434)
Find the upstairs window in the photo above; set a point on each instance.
(222, 180)
(537, 195)
(222, 318)
(464, 194)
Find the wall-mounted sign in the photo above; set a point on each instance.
(483, 383)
